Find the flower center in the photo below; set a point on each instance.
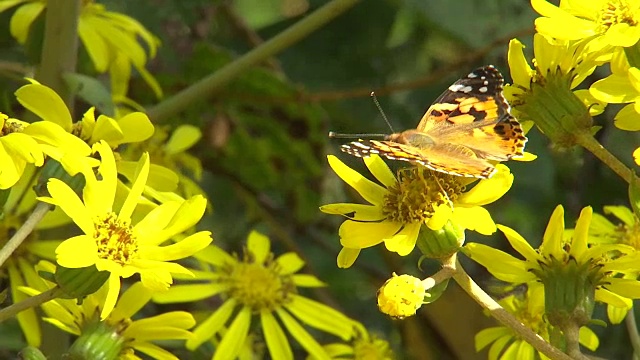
(10, 127)
(630, 235)
(418, 193)
(616, 12)
(259, 286)
(115, 239)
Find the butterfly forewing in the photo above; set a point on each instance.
(467, 125)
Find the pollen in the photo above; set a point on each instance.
(617, 12)
(260, 286)
(115, 239)
(418, 193)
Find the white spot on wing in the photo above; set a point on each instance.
(460, 88)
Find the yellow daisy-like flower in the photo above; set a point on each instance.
(528, 308)
(573, 274)
(131, 128)
(401, 206)
(112, 242)
(571, 60)
(117, 335)
(363, 346)
(258, 286)
(23, 143)
(616, 22)
(111, 40)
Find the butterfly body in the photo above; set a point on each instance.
(468, 126)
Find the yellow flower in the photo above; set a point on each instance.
(572, 273)
(636, 156)
(528, 309)
(363, 346)
(400, 207)
(111, 40)
(117, 334)
(112, 242)
(401, 296)
(258, 285)
(622, 86)
(131, 128)
(616, 22)
(626, 232)
(16, 151)
(571, 60)
(543, 94)
(23, 143)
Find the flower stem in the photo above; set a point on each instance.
(590, 143)
(204, 88)
(38, 213)
(505, 318)
(60, 46)
(30, 302)
(632, 329)
(444, 274)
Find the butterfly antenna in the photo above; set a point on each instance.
(384, 116)
(335, 135)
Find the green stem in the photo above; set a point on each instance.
(632, 329)
(38, 213)
(443, 274)
(572, 337)
(13, 310)
(60, 46)
(505, 318)
(213, 83)
(590, 143)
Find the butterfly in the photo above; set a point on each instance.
(465, 129)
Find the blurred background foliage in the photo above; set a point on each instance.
(265, 136)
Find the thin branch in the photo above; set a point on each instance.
(499, 313)
(38, 213)
(215, 82)
(13, 310)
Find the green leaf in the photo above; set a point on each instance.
(92, 91)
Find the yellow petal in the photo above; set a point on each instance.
(520, 71)
(404, 241)
(77, 252)
(380, 170)
(370, 191)
(358, 235)
(136, 127)
(474, 218)
(488, 190)
(552, 244)
(347, 257)
(22, 19)
(627, 118)
(45, 103)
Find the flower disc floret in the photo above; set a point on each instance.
(115, 239)
(418, 193)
